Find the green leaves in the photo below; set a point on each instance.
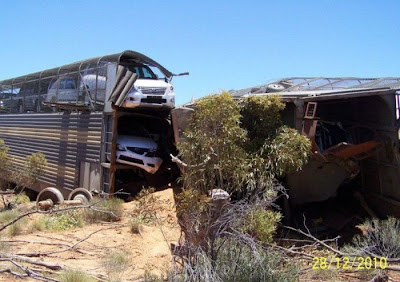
(214, 134)
(35, 165)
(233, 146)
(288, 152)
(261, 117)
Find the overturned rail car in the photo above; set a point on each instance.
(74, 113)
(353, 124)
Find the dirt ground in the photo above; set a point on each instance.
(86, 248)
(147, 251)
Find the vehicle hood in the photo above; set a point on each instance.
(151, 83)
(136, 141)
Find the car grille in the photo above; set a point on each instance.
(136, 150)
(153, 90)
(132, 160)
(152, 154)
(153, 100)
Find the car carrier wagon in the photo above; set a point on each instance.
(73, 114)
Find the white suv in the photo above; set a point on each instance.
(150, 89)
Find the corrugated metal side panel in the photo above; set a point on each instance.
(66, 139)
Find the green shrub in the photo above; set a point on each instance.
(146, 210)
(266, 265)
(75, 276)
(213, 145)
(190, 200)
(4, 160)
(261, 117)
(21, 198)
(380, 238)
(8, 215)
(115, 264)
(288, 152)
(105, 210)
(64, 220)
(15, 228)
(261, 224)
(38, 224)
(34, 166)
(238, 262)
(237, 148)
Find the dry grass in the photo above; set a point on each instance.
(135, 225)
(105, 210)
(75, 276)
(115, 264)
(9, 215)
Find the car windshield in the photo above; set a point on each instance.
(137, 131)
(142, 71)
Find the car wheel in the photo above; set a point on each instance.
(275, 87)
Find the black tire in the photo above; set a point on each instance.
(274, 87)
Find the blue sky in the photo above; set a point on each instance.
(223, 44)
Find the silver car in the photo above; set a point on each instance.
(138, 151)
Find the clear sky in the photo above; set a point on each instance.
(223, 44)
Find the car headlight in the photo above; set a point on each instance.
(121, 147)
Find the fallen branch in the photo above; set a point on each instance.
(28, 272)
(8, 270)
(316, 240)
(32, 273)
(340, 253)
(8, 257)
(34, 242)
(69, 247)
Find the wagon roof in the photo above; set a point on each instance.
(314, 88)
(125, 56)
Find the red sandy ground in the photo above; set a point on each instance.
(149, 250)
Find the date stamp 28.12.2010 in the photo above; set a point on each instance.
(349, 263)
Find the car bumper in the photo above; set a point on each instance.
(151, 165)
(136, 104)
(153, 101)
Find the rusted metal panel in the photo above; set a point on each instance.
(316, 182)
(66, 139)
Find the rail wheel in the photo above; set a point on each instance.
(52, 194)
(81, 194)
